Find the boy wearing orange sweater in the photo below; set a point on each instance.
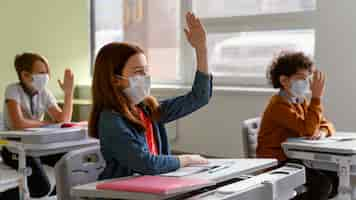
(289, 114)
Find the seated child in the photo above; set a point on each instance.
(290, 114)
(25, 104)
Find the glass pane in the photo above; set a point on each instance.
(247, 54)
(154, 25)
(228, 8)
(108, 22)
(162, 40)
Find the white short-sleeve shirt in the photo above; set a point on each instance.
(40, 103)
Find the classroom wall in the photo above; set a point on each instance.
(59, 30)
(336, 55)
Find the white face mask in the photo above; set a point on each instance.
(300, 88)
(40, 81)
(139, 88)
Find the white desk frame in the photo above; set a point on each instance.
(35, 150)
(325, 153)
(278, 184)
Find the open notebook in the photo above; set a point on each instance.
(211, 167)
(160, 185)
(324, 140)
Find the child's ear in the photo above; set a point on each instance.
(119, 82)
(284, 80)
(115, 81)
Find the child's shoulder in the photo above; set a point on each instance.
(13, 88)
(110, 116)
(113, 120)
(278, 102)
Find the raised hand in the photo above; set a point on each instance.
(195, 32)
(317, 85)
(67, 84)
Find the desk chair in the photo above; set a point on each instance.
(77, 167)
(250, 129)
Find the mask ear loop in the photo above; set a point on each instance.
(121, 77)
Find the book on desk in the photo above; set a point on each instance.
(161, 185)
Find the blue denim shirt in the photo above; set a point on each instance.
(125, 149)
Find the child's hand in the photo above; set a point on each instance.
(186, 160)
(318, 84)
(195, 32)
(318, 135)
(68, 82)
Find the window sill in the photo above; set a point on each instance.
(172, 90)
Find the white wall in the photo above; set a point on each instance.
(216, 129)
(59, 30)
(336, 55)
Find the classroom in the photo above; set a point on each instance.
(193, 99)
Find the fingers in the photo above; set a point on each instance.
(195, 20)
(187, 33)
(189, 19)
(200, 160)
(68, 74)
(316, 75)
(323, 77)
(314, 137)
(192, 20)
(60, 83)
(199, 23)
(319, 76)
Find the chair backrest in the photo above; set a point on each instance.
(2, 122)
(77, 167)
(250, 129)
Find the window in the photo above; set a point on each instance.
(154, 25)
(229, 8)
(243, 35)
(107, 23)
(242, 58)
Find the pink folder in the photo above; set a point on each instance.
(155, 184)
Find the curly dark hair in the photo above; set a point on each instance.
(287, 63)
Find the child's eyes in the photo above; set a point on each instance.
(140, 72)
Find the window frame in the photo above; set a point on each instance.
(294, 20)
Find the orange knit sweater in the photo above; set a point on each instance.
(283, 119)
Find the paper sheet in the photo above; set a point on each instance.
(186, 171)
(324, 140)
(194, 169)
